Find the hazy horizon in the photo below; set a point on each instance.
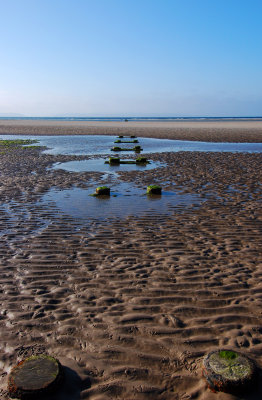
(132, 58)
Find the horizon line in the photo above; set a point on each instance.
(129, 117)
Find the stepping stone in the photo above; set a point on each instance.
(154, 189)
(103, 191)
(116, 148)
(35, 376)
(114, 160)
(228, 371)
(117, 161)
(141, 160)
(126, 141)
(136, 149)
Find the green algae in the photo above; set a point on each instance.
(142, 160)
(101, 191)
(113, 160)
(116, 148)
(8, 146)
(17, 142)
(154, 189)
(228, 354)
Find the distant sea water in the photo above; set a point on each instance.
(258, 118)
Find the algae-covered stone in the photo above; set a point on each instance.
(103, 191)
(126, 141)
(228, 371)
(154, 189)
(141, 160)
(34, 377)
(116, 148)
(114, 160)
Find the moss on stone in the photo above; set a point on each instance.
(141, 160)
(136, 149)
(102, 191)
(227, 354)
(116, 148)
(228, 371)
(230, 368)
(154, 189)
(114, 160)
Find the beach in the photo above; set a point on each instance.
(209, 131)
(131, 305)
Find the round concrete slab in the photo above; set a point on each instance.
(34, 376)
(228, 371)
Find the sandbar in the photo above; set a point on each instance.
(198, 130)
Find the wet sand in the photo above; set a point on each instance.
(131, 306)
(209, 131)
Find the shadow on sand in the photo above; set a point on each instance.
(71, 387)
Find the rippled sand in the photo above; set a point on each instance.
(130, 306)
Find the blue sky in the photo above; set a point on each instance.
(129, 57)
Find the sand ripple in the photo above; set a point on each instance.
(130, 306)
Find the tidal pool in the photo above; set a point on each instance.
(101, 144)
(125, 200)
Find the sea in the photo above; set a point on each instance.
(127, 118)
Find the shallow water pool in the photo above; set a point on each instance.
(100, 144)
(100, 166)
(125, 200)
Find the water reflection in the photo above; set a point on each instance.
(100, 166)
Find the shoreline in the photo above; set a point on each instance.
(208, 131)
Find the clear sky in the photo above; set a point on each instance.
(131, 57)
